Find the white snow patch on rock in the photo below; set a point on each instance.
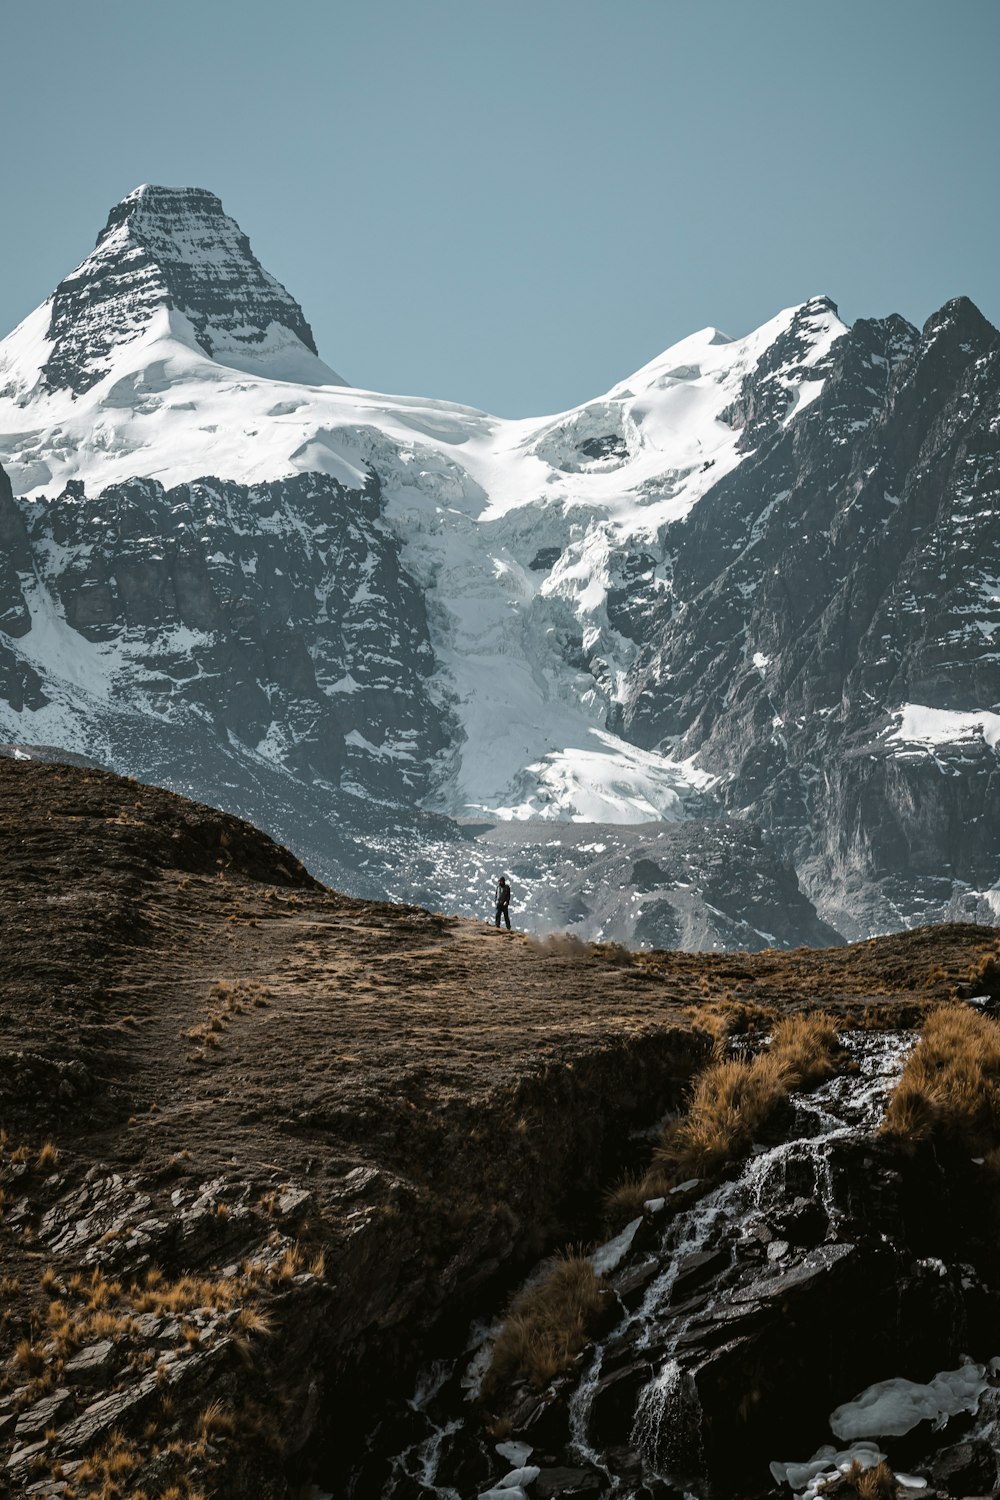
(944, 726)
(893, 1407)
(608, 1257)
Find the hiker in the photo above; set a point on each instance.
(503, 901)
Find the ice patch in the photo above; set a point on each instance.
(515, 1453)
(893, 1407)
(808, 1479)
(607, 781)
(610, 1256)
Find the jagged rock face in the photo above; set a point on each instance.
(169, 248)
(845, 569)
(781, 377)
(277, 618)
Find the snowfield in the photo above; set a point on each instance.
(510, 526)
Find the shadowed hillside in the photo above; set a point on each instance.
(265, 1145)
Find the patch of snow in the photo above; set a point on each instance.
(893, 1407)
(518, 1479)
(605, 781)
(610, 1256)
(942, 726)
(515, 1453)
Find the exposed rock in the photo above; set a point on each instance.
(561, 1484)
(967, 1468)
(93, 1364)
(43, 1414)
(694, 1270)
(170, 248)
(631, 1286)
(612, 1409)
(104, 1414)
(23, 1457)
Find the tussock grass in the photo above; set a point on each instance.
(950, 1086)
(109, 1473)
(876, 1483)
(731, 1101)
(733, 1098)
(984, 976)
(48, 1157)
(547, 1325)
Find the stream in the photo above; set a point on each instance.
(729, 1346)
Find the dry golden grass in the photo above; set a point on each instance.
(253, 1320)
(806, 1046)
(290, 1263)
(48, 1157)
(876, 1483)
(950, 1086)
(984, 976)
(547, 1325)
(726, 1017)
(731, 1100)
(28, 1358)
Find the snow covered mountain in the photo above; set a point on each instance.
(415, 640)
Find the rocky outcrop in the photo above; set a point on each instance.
(271, 634)
(279, 613)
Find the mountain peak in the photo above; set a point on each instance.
(960, 315)
(174, 249)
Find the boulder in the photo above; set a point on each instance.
(547, 1427)
(91, 1365)
(694, 1270)
(968, 1468)
(630, 1287)
(45, 1413)
(803, 1222)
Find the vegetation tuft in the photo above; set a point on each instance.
(950, 1086)
(875, 1483)
(733, 1098)
(547, 1325)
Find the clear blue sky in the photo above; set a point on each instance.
(514, 203)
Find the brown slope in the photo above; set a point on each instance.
(234, 1061)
